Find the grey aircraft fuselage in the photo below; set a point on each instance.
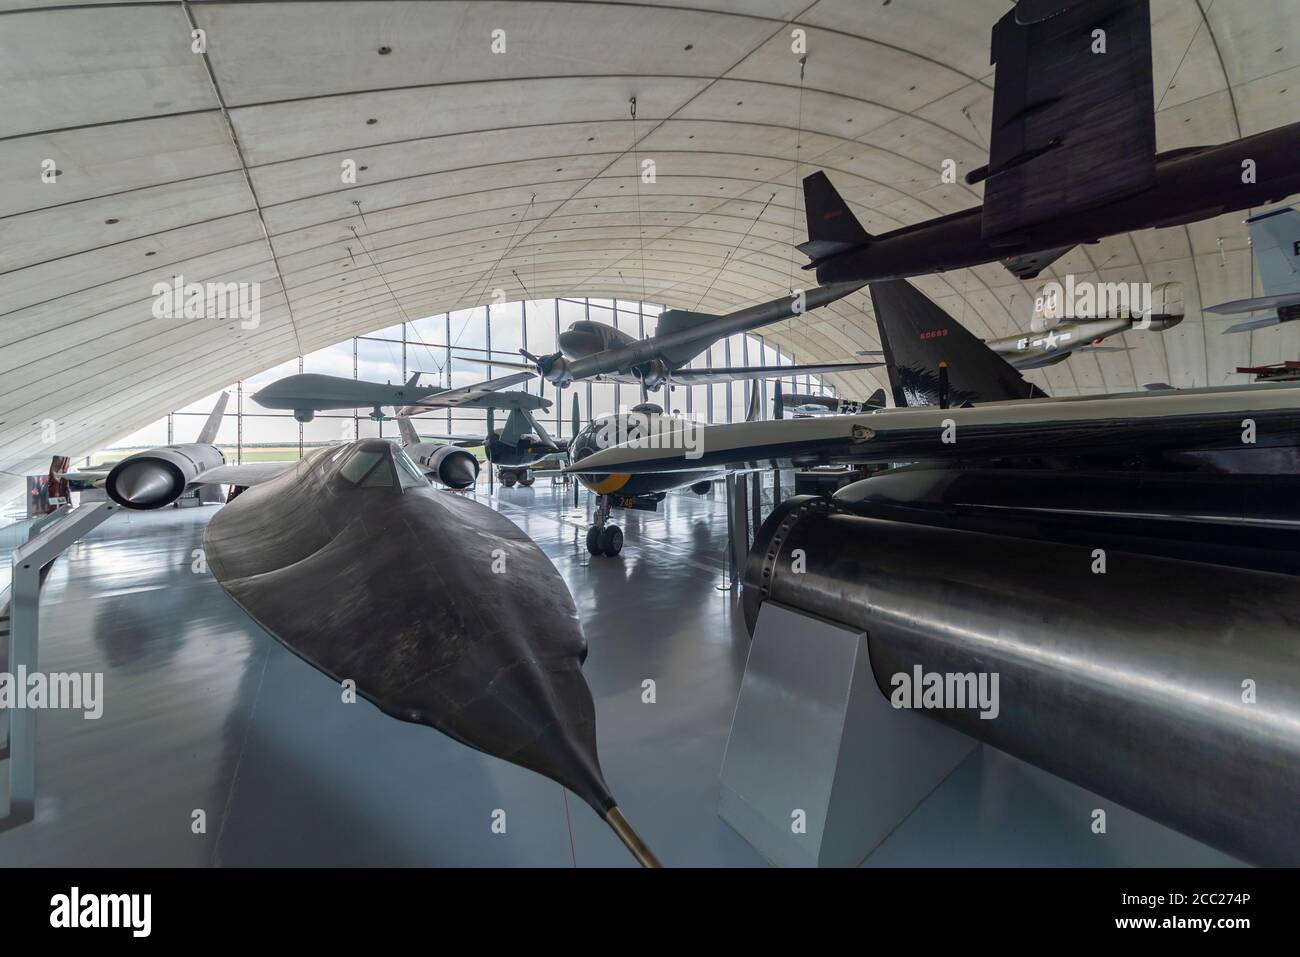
(1191, 185)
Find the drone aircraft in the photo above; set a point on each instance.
(305, 394)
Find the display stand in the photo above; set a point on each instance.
(24, 629)
(819, 768)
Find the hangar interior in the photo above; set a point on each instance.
(418, 201)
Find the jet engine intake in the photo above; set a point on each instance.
(145, 482)
(454, 467)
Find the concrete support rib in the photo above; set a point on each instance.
(243, 166)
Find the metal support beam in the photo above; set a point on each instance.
(738, 501)
(24, 630)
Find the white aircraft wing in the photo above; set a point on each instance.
(453, 397)
(1262, 304)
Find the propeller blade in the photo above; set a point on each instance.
(778, 408)
(755, 410)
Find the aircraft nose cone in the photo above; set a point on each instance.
(577, 343)
(459, 471)
(143, 483)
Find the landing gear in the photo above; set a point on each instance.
(511, 477)
(603, 539)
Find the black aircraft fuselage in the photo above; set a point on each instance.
(1191, 185)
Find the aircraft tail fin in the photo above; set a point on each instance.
(208, 435)
(410, 436)
(832, 227)
(933, 360)
(1276, 239)
(877, 399)
(518, 424)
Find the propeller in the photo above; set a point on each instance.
(544, 364)
(778, 404)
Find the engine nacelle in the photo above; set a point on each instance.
(159, 476)
(452, 466)
(653, 374)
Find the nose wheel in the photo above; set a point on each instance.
(604, 539)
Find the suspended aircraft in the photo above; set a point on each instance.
(1275, 238)
(305, 394)
(597, 351)
(1072, 158)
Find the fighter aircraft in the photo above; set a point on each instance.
(1275, 237)
(595, 350)
(645, 423)
(1072, 159)
(1054, 339)
(804, 405)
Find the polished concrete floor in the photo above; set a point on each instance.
(205, 713)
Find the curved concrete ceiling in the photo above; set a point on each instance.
(518, 170)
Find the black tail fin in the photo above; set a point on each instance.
(832, 227)
(917, 336)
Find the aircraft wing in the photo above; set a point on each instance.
(1071, 129)
(734, 373)
(462, 440)
(1112, 425)
(1029, 265)
(1263, 304)
(483, 395)
(623, 378)
(250, 473)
